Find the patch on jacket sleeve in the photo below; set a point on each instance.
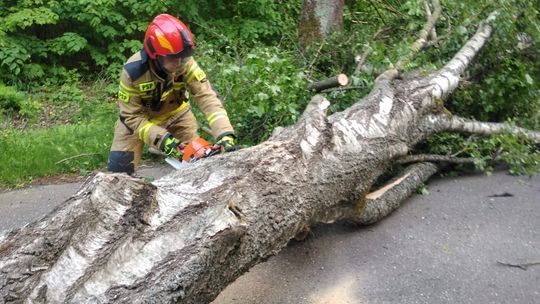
(199, 74)
(195, 72)
(123, 96)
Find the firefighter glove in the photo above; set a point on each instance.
(227, 142)
(171, 147)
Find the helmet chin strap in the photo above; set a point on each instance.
(160, 64)
(160, 68)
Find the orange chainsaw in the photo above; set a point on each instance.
(198, 149)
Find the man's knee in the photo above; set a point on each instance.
(121, 161)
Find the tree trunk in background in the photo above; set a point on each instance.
(320, 18)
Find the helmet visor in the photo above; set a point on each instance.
(183, 54)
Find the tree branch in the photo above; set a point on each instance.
(421, 42)
(345, 88)
(434, 158)
(463, 125)
(447, 79)
(377, 10)
(433, 32)
(415, 47)
(382, 202)
(361, 59)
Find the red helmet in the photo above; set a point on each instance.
(167, 35)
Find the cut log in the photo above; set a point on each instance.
(186, 236)
(340, 80)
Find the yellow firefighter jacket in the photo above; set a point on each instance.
(147, 100)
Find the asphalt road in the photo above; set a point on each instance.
(444, 247)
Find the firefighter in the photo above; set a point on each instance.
(153, 98)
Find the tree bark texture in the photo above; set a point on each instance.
(320, 18)
(185, 237)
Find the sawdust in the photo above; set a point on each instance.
(342, 292)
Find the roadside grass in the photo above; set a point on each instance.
(79, 148)
(69, 129)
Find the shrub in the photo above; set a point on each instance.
(14, 102)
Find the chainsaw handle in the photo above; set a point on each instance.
(215, 150)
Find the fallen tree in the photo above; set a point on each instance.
(184, 237)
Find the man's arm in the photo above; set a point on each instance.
(207, 99)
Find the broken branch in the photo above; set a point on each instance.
(463, 125)
(523, 266)
(433, 32)
(422, 40)
(75, 156)
(434, 158)
(382, 202)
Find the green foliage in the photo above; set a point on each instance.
(10, 98)
(519, 154)
(505, 81)
(74, 103)
(14, 102)
(249, 51)
(37, 36)
(261, 91)
(423, 190)
(27, 17)
(41, 152)
(501, 85)
(247, 22)
(12, 58)
(516, 152)
(68, 43)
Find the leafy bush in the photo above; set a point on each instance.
(10, 98)
(14, 102)
(262, 90)
(37, 36)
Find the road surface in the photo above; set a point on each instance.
(453, 245)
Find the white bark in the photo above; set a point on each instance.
(448, 77)
(458, 124)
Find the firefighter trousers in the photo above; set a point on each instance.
(127, 147)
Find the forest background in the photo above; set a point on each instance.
(60, 62)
